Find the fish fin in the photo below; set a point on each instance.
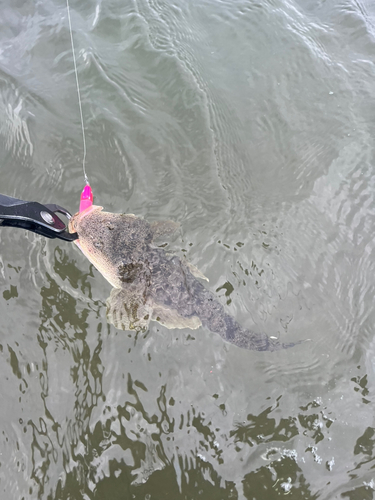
(163, 227)
(170, 318)
(128, 310)
(194, 270)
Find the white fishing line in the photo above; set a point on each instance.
(79, 96)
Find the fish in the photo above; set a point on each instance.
(150, 284)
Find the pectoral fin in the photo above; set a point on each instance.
(161, 228)
(127, 309)
(194, 270)
(170, 318)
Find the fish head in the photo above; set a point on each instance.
(92, 226)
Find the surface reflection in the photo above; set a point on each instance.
(252, 124)
(70, 378)
(118, 416)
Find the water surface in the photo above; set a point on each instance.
(251, 124)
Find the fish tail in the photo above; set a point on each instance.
(214, 317)
(232, 332)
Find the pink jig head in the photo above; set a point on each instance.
(85, 202)
(86, 198)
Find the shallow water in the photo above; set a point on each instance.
(251, 124)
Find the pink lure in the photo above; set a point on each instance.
(87, 198)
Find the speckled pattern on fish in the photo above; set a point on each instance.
(150, 284)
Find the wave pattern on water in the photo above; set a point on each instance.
(251, 123)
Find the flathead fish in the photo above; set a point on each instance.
(150, 284)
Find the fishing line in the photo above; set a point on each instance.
(79, 96)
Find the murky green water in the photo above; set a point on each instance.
(251, 124)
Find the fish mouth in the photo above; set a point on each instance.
(77, 217)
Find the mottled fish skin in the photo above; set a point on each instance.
(150, 284)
